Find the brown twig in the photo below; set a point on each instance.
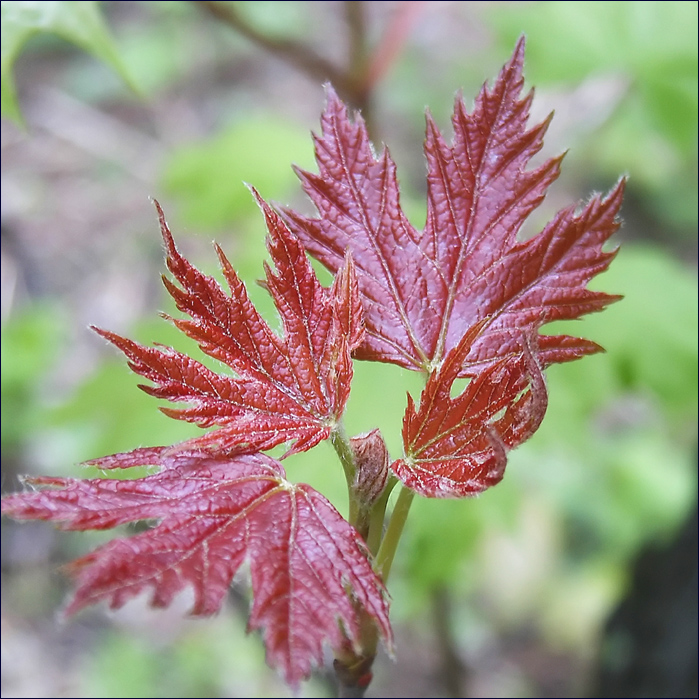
(294, 52)
(356, 83)
(355, 17)
(391, 42)
(358, 60)
(451, 667)
(351, 82)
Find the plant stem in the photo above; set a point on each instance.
(353, 669)
(387, 550)
(378, 514)
(341, 443)
(358, 517)
(353, 677)
(355, 17)
(358, 62)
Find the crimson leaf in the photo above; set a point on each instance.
(462, 298)
(289, 388)
(422, 290)
(310, 574)
(458, 446)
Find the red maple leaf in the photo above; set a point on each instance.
(310, 573)
(458, 446)
(462, 298)
(422, 290)
(289, 388)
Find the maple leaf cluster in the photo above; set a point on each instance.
(463, 298)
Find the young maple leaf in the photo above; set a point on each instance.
(289, 388)
(311, 577)
(456, 447)
(422, 290)
(462, 298)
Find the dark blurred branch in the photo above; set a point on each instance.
(357, 55)
(290, 51)
(354, 83)
(358, 60)
(650, 644)
(391, 43)
(451, 668)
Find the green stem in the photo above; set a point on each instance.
(341, 443)
(387, 550)
(377, 516)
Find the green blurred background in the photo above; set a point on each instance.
(111, 103)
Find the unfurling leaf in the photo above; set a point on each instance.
(458, 446)
(311, 578)
(422, 290)
(289, 388)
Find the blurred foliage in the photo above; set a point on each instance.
(80, 23)
(31, 343)
(207, 179)
(196, 663)
(653, 46)
(612, 466)
(279, 18)
(107, 413)
(627, 36)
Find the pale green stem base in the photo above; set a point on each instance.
(389, 543)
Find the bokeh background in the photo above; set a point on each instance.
(577, 575)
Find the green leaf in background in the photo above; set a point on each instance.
(628, 36)
(30, 344)
(80, 23)
(651, 45)
(278, 17)
(182, 658)
(207, 178)
(650, 338)
(108, 413)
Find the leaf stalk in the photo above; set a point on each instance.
(389, 544)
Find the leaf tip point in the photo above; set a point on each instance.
(104, 334)
(169, 241)
(330, 92)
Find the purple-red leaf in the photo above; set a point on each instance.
(456, 447)
(422, 290)
(311, 577)
(290, 388)
(461, 298)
